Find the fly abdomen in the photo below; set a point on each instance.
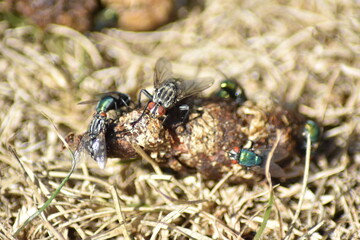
(105, 104)
(245, 156)
(249, 158)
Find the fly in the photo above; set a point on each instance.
(169, 91)
(248, 157)
(245, 156)
(111, 101)
(229, 88)
(94, 141)
(313, 129)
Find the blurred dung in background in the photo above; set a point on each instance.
(75, 14)
(85, 15)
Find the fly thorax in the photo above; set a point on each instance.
(97, 125)
(166, 95)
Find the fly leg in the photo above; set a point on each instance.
(142, 114)
(184, 110)
(148, 95)
(126, 105)
(177, 116)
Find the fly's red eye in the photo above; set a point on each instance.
(102, 114)
(161, 110)
(236, 149)
(234, 161)
(151, 105)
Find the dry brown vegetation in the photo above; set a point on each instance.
(303, 53)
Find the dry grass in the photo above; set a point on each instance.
(300, 52)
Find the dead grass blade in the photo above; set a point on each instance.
(271, 197)
(54, 194)
(120, 214)
(304, 186)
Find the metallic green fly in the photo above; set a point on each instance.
(93, 141)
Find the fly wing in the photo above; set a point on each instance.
(82, 152)
(93, 101)
(79, 153)
(98, 97)
(192, 87)
(163, 71)
(280, 153)
(99, 150)
(114, 94)
(275, 170)
(95, 147)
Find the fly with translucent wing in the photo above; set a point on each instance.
(93, 141)
(169, 91)
(256, 159)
